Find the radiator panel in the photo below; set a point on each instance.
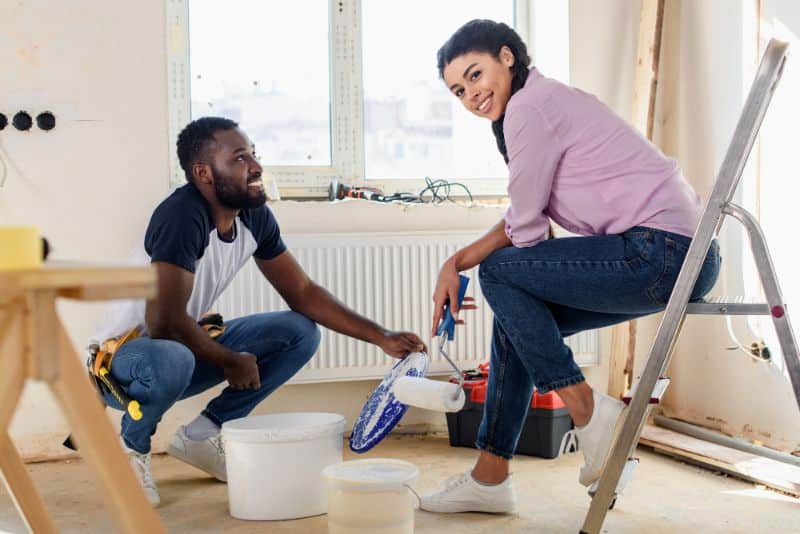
(390, 279)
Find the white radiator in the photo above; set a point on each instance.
(390, 279)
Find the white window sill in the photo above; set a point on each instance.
(357, 215)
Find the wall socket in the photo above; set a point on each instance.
(23, 121)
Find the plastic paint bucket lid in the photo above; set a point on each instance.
(383, 411)
(283, 427)
(371, 475)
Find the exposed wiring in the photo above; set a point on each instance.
(440, 190)
(757, 351)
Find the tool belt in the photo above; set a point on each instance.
(98, 363)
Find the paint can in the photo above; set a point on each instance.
(370, 496)
(274, 463)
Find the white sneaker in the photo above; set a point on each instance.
(206, 455)
(141, 466)
(462, 494)
(596, 437)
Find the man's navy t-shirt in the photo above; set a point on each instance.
(182, 232)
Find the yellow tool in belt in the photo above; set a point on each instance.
(99, 365)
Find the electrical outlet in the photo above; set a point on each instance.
(46, 121)
(22, 121)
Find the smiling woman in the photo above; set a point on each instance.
(570, 159)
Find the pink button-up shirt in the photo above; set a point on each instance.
(573, 160)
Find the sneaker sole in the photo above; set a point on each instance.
(447, 510)
(617, 425)
(177, 453)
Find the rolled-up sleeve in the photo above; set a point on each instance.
(534, 152)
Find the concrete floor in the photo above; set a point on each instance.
(664, 496)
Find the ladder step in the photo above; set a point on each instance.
(627, 472)
(728, 306)
(658, 391)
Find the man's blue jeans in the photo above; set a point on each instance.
(160, 372)
(559, 287)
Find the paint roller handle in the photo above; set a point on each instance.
(448, 324)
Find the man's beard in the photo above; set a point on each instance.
(236, 200)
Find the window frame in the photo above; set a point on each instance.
(347, 105)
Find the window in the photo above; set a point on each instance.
(413, 126)
(269, 74)
(327, 91)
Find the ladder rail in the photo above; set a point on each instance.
(728, 178)
(766, 80)
(772, 292)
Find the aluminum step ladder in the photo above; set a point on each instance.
(620, 462)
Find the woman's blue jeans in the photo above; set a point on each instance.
(160, 372)
(559, 287)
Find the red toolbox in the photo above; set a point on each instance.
(546, 423)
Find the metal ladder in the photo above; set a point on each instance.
(651, 384)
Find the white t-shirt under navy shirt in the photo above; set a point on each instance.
(182, 232)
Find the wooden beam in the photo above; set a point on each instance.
(648, 57)
(651, 20)
(744, 465)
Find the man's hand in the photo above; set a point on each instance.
(242, 372)
(399, 344)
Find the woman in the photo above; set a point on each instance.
(572, 160)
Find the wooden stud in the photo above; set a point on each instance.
(651, 21)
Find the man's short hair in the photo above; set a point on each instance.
(195, 136)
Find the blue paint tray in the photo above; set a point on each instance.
(382, 410)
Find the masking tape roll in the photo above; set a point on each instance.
(20, 248)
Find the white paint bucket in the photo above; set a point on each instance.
(371, 496)
(274, 463)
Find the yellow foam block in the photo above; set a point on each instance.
(20, 248)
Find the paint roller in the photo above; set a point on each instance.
(433, 394)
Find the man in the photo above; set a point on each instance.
(198, 238)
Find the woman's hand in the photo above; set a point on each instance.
(446, 291)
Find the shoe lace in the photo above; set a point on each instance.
(217, 442)
(142, 462)
(457, 480)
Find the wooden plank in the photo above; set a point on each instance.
(21, 488)
(651, 21)
(127, 291)
(648, 56)
(751, 467)
(100, 446)
(41, 327)
(617, 381)
(65, 276)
